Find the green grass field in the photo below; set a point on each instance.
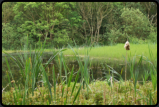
(112, 52)
(117, 51)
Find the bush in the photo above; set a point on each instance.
(61, 39)
(135, 40)
(135, 23)
(153, 35)
(115, 36)
(10, 38)
(152, 38)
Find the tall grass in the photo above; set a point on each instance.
(63, 91)
(31, 66)
(134, 72)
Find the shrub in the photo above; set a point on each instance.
(137, 24)
(153, 36)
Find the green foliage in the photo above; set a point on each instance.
(7, 12)
(61, 38)
(55, 24)
(10, 38)
(78, 22)
(137, 24)
(136, 5)
(115, 36)
(153, 35)
(124, 23)
(135, 40)
(73, 92)
(38, 23)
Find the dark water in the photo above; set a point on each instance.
(97, 70)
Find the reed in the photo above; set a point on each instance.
(69, 91)
(30, 66)
(127, 47)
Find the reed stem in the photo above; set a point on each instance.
(125, 67)
(125, 74)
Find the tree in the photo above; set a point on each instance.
(40, 18)
(10, 38)
(151, 8)
(74, 23)
(7, 12)
(93, 13)
(137, 24)
(102, 9)
(86, 10)
(82, 22)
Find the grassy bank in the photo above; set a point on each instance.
(16, 51)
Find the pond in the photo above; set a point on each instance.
(97, 69)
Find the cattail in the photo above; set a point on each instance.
(127, 45)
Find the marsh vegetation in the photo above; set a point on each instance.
(61, 79)
(72, 53)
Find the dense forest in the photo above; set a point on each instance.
(80, 23)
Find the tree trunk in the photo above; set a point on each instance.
(92, 36)
(99, 26)
(98, 34)
(51, 36)
(95, 36)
